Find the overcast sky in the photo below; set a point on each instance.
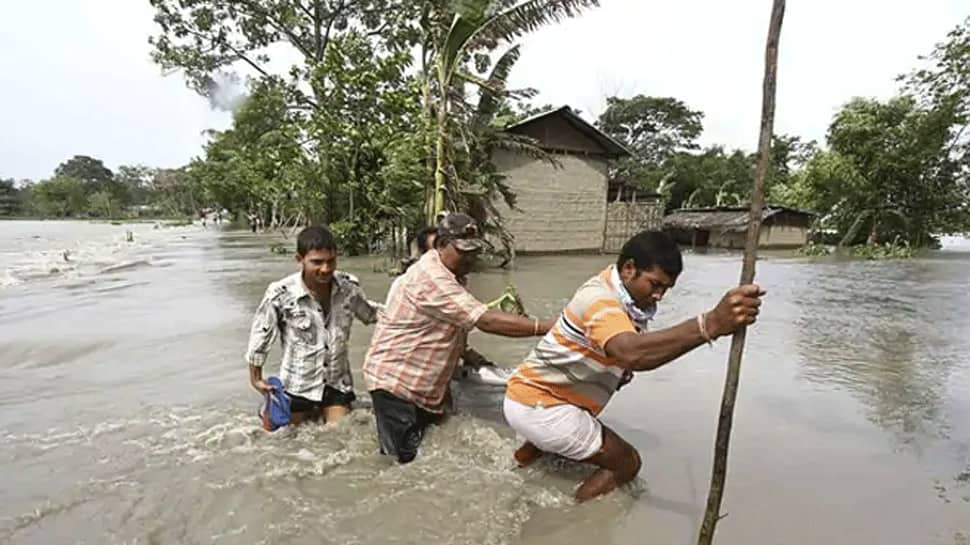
(76, 77)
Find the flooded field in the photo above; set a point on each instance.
(126, 416)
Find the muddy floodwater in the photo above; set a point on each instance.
(126, 415)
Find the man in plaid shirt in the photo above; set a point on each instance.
(421, 334)
(311, 312)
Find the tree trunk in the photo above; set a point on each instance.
(713, 511)
(431, 120)
(440, 160)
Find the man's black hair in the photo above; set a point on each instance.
(422, 238)
(315, 237)
(441, 241)
(650, 249)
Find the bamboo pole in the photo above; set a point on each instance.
(713, 512)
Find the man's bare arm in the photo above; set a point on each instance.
(262, 334)
(256, 379)
(646, 351)
(512, 325)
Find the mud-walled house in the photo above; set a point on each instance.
(563, 207)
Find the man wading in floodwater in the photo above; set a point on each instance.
(470, 358)
(553, 398)
(421, 334)
(311, 311)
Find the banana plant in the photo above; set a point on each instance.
(478, 25)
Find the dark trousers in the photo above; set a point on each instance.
(400, 425)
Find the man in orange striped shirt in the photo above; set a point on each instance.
(600, 339)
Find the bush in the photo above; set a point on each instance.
(814, 249)
(352, 238)
(882, 251)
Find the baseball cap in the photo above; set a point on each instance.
(462, 230)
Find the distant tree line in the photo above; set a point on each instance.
(83, 187)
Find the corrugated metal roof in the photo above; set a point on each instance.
(612, 147)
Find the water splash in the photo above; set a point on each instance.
(312, 480)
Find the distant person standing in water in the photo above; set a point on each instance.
(311, 312)
(600, 339)
(424, 240)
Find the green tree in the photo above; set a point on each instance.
(86, 169)
(10, 203)
(830, 184)
(102, 204)
(60, 196)
(653, 128)
(93, 175)
(136, 180)
(370, 104)
(525, 110)
(207, 39)
(308, 144)
(944, 85)
(176, 192)
(292, 165)
(712, 177)
(253, 164)
(889, 173)
(25, 197)
(789, 154)
(786, 183)
(895, 169)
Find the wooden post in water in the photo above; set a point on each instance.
(713, 511)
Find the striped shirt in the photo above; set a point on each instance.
(569, 364)
(421, 333)
(315, 345)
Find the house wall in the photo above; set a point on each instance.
(772, 236)
(783, 236)
(727, 239)
(558, 209)
(783, 232)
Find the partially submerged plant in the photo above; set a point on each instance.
(509, 302)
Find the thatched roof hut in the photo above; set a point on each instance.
(725, 227)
